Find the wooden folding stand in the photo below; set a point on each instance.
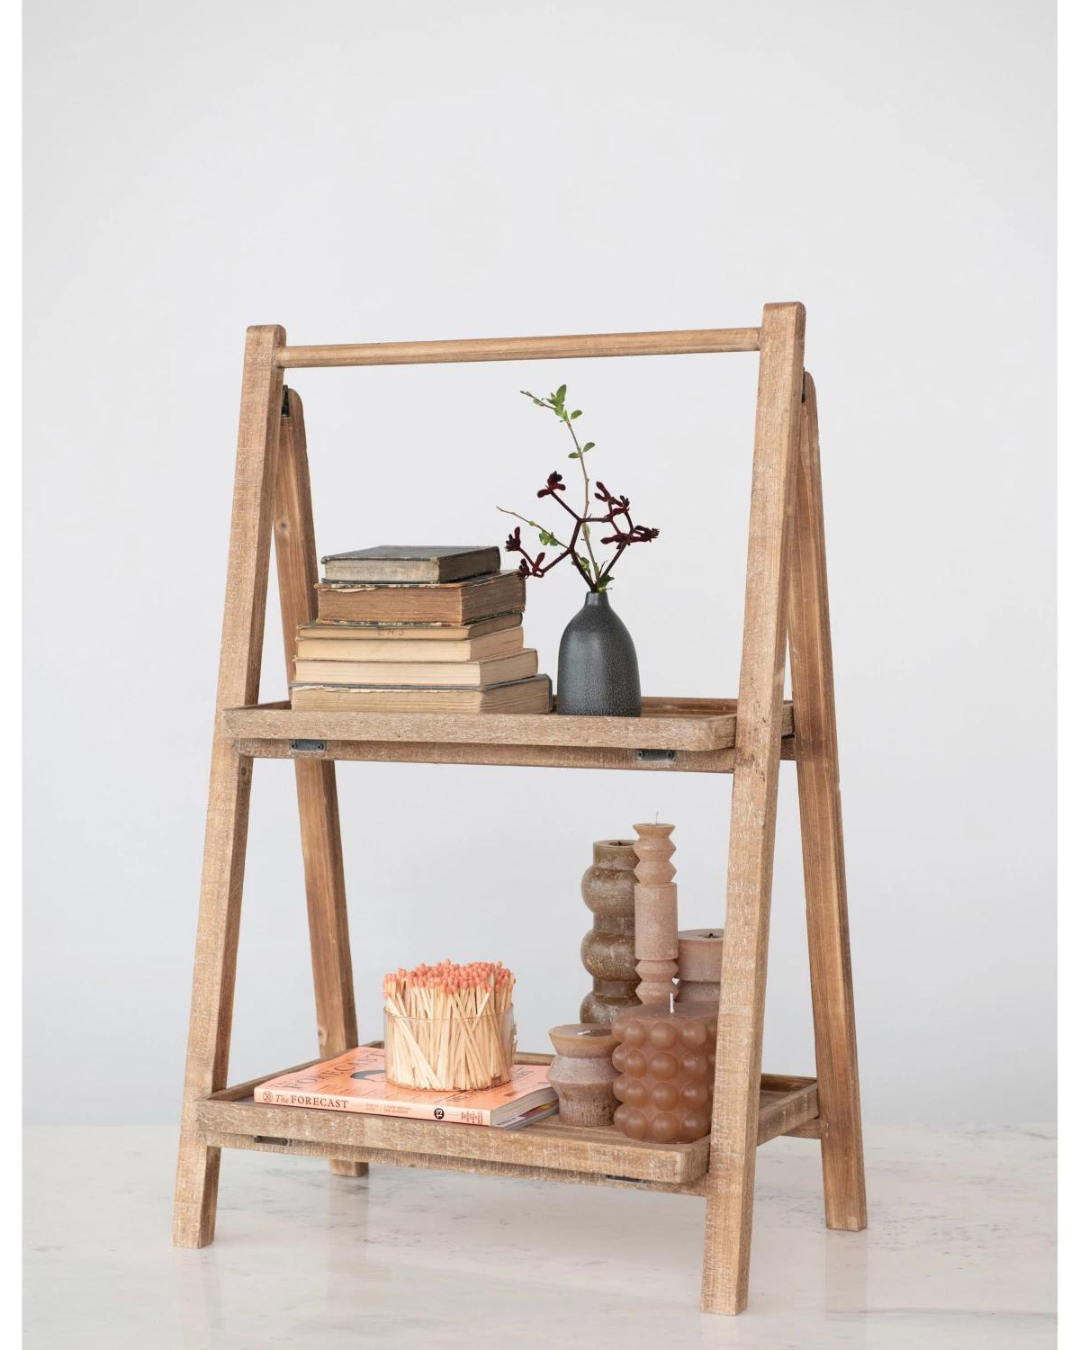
(787, 607)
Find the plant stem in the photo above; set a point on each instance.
(585, 510)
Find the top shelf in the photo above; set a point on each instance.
(673, 733)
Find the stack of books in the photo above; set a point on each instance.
(432, 628)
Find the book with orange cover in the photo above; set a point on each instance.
(356, 1081)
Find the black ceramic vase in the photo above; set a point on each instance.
(598, 670)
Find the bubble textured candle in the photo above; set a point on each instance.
(666, 1058)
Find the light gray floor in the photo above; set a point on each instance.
(959, 1255)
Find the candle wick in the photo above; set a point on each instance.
(671, 1005)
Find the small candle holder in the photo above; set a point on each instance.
(582, 1073)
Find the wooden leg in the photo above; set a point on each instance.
(230, 784)
(316, 784)
(733, 1147)
(818, 769)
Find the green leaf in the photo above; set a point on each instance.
(587, 446)
(575, 455)
(576, 414)
(561, 392)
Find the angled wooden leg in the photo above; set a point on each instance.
(316, 785)
(817, 763)
(733, 1147)
(230, 784)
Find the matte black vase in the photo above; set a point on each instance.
(598, 670)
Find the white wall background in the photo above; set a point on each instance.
(419, 170)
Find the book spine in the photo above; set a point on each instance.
(448, 1115)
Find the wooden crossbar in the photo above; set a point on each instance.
(685, 342)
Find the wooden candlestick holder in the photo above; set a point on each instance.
(607, 950)
(656, 920)
(583, 1075)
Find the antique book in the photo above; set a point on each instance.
(356, 1081)
(391, 564)
(449, 602)
(425, 674)
(521, 696)
(313, 645)
(342, 629)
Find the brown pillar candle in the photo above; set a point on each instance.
(582, 1074)
(701, 953)
(665, 1058)
(656, 920)
(607, 950)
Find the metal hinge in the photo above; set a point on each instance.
(270, 1139)
(307, 747)
(655, 756)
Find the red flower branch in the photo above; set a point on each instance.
(622, 530)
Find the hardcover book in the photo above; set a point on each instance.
(314, 645)
(344, 630)
(521, 696)
(437, 674)
(396, 564)
(456, 602)
(356, 1081)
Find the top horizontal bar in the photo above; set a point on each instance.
(683, 343)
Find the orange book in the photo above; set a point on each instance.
(356, 1081)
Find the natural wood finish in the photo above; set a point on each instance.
(665, 724)
(730, 1192)
(786, 1110)
(823, 841)
(678, 343)
(438, 1162)
(316, 788)
(548, 1143)
(198, 1166)
(535, 756)
(548, 1149)
(785, 571)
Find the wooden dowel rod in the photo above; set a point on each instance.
(686, 342)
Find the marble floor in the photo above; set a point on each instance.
(959, 1254)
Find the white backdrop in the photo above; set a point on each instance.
(363, 172)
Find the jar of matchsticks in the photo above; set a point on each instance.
(450, 1027)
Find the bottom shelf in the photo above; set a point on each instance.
(548, 1149)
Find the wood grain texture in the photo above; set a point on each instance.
(230, 783)
(316, 787)
(665, 724)
(823, 840)
(679, 343)
(438, 1163)
(730, 1191)
(548, 1143)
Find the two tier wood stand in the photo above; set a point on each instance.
(787, 609)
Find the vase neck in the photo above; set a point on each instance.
(598, 599)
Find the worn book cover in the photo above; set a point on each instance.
(429, 674)
(397, 564)
(520, 696)
(312, 645)
(356, 1081)
(456, 602)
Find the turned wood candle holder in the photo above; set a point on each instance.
(607, 950)
(656, 921)
(582, 1074)
(701, 954)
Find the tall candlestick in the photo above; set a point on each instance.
(656, 920)
(607, 950)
